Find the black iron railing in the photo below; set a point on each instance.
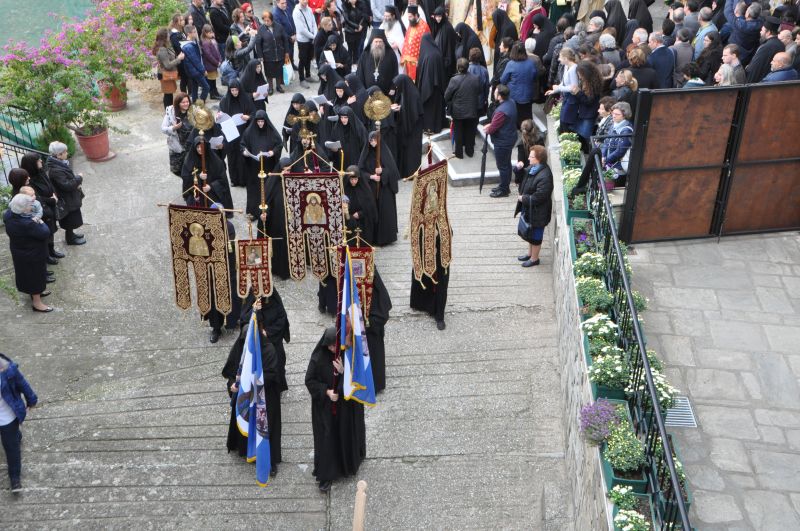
(15, 126)
(664, 482)
(10, 156)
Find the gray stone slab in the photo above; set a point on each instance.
(711, 277)
(714, 383)
(777, 470)
(784, 338)
(729, 455)
(770, 510)
(774, 300)
(779, 385)
(694, 299)
(718, 421)
(737, 335)
(715, 508)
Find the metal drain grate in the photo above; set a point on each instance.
(682, 415)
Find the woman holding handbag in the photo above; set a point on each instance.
(535, 205)
(167, 65)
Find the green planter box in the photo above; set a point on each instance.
(572, 248)
(571, 213)
(601, 391)
(643, 497)
(688, 498)
(639, 485)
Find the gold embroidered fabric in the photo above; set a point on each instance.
(429, 218)
(314, 222)
(199, 236)
(255, 267)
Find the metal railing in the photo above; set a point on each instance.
(15, 128)
(10, 156)
(648, 417)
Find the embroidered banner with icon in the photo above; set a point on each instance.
(362, 260)
(253, 260)
(429, 218)
(314, 222)
(199, 236)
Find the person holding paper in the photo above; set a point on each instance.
(336, 55)
(212, 182)
(251, 79)
(236, 101)
(260, 139)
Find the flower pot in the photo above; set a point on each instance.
(652, 514)
(114, 98)
(639, 484)
(687, 499)
(573, 213)
(95, 147)
(609, 185)
(572, 247)
(601, 391)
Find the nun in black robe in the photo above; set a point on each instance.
(427, 296)
(467, 40)
(384, 188)
(290, 138)
(269, 362)
(352, 136)
(378, 72)
(504, 27)
(431, 83)
(215, 185)
(275, 226)
(340, 442)
(546, 33)
(363, 212)
(340, 55)
(638, 10)
(409, 124)
(231, 104)
(615, 18)
(388, 125)
(446, 39)
(328, 77)
(259, 138)
(274, 321)
(311, 162)
(343, 96)
(253, 77)
(360, 93)
(378, 316)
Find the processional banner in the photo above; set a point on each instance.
(429, 219)
(199, 236)
(314, 222)
(255, 271)
(362, 260)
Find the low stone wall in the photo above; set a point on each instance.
(582, 460)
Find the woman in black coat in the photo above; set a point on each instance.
(462, 98)
(28, 237)
(535, 203)
(67, 187)
(710, 58)
(361, 208)
(466, 40)
(46, 195)
(272, 45)
(504, 28)
(237, 101)
(355, 25)
(638, 10)
(260, 138)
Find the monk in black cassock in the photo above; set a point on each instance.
(351, 134)
(408, 112)
(431, 83)
(214, 182)
(236, 101)
(260, 138)
(328, 77)
(360, 93)
(446, 39)
(383, 182)
(363, 213)
(378, 65)
(289, 134)
(272, 389)
(273, 224)
(388, 126)
(427, 296)
(251, 79)
(216, 319)
(340, 439)
(378, 316)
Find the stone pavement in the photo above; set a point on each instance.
(726, 319)
(131, 430)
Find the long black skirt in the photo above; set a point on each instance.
(72, 221)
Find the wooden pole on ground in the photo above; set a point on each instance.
(360, 510)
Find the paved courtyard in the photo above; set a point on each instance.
(131, 430)
(726, 319)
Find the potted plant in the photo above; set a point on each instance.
(593, 296)
(609, 179)
(582, 239)
(570, 153)
(598, 331)
(590, 264)
(663, 479)
(91, 128)
(597, 419)
(574, 207)
(609, 375)
(632, 511)
(555, 112)
(623, 456)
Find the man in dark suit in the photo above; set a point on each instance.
(760, 65)
(661, 59)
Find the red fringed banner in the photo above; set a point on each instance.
(199, 236)
(363, 261)
(253, 259)
(314, 220)
(429, 218)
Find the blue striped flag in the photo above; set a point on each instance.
(358, 384)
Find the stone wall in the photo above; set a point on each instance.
(582, 460)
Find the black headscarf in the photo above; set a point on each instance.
(362, 201)
(446, 39)
(340, 55)
(430, 69)
(467, 39)
(616, 19)
(546, 33)
(390, 175)
(288, 129)
(638, 10)
(504, 28)
(257, 139)
(327, 86)
(243, 103)
(214, 165)
(250, 78)
(411, 111)
(352, 136)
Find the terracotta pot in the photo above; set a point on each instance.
(114, 98)
(95, 147)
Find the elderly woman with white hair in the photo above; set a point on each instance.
(609, 51)
(68, 187)
(28, 236)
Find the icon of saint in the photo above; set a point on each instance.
(314, 213)
(197, 245)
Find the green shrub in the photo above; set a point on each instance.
(590, 265)
(610, 371)
(571, 152)
(594, 294)
(572, 137)
(622, 496)
(624, 451)
(630, 520)
(58, 133)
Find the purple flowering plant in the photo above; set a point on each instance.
(597, 419)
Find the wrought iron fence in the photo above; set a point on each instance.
(662, 476)
(10, 156)
(15, 128)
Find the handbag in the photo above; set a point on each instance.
(550, 102)
(169, 86)
(288, 73)
(524, 228)
(61, 209)
(169, 75)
